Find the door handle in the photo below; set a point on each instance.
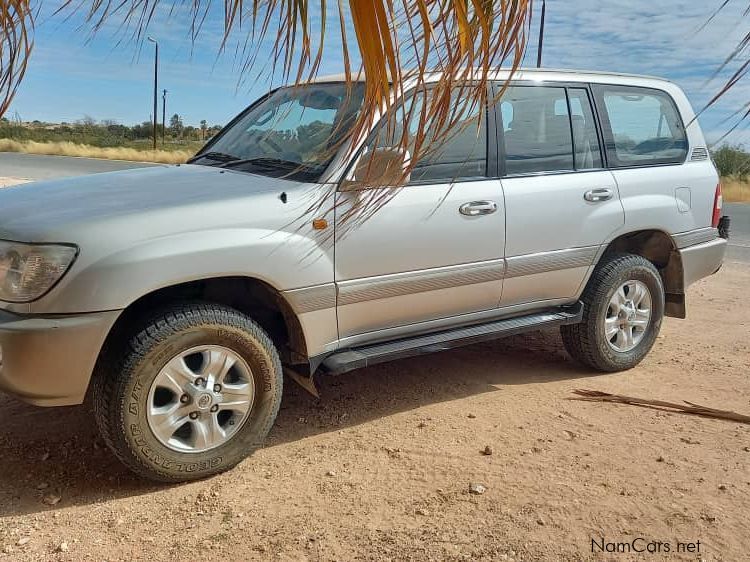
(476, 208)
(596, 195)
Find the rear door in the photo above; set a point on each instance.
(647, 147)
(561, 203)
(435, 250)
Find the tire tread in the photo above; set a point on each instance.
(118, 361)
(581, 340)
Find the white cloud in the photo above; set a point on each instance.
(662, 37)
(669, 38)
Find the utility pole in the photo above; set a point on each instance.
(541, 36)
(156, 86)
(163, 116)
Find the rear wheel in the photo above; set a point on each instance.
(623, 311)
(191, 394)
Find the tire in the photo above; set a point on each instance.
(588, 343)
(129, 400)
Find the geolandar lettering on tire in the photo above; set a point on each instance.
(184, 399)
(622, 314)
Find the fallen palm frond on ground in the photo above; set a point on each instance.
(87, 151)
(684, 408)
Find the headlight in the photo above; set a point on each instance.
(28, 271)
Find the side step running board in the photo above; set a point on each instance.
(357, 358)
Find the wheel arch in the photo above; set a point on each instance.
(658, 247)
(254, 297)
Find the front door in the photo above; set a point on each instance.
(561, 204)
(434, 251)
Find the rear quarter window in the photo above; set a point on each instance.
(642, 126)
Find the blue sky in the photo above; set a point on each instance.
(70, 77)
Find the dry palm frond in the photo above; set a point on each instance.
(16, 26)
(399, 41)
(684, 408)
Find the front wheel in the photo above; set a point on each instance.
(191, 394)
(623, 312)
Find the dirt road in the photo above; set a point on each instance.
(380, 467)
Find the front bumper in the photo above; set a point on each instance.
(702, 260)
(48, 361)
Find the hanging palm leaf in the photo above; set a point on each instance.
(16, 26)
(400, 42)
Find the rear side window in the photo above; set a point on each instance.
(536, 130)
(642, 126)
(548, 129)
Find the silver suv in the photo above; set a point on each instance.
(178, 296)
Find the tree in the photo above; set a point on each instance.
(175, 125)
(204, 126)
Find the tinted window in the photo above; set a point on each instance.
(585, 142)
(459, 156)
(536, 128)
(644, 126)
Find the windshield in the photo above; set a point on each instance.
(295, 131)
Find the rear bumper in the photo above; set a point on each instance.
(702, 260)
(49, 361)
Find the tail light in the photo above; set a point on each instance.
(718, 202)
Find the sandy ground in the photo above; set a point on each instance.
(380, 467)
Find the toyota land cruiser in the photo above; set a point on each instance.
(179, 295)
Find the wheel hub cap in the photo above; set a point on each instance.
(200, 399)
(628, 316)
(204, 401)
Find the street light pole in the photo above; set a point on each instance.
(163, 116)
(156, 87)
(541, 36)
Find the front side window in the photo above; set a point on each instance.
(459, 155)
(644, 126)
(293, 131)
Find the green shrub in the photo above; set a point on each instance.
(732, 161)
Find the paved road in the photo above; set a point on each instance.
(739, 236)
(39, 167)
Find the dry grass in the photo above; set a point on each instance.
(735, 190)
(87, 151)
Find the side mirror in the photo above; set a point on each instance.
(382, 167)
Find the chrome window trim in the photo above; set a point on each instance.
(552, 173)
